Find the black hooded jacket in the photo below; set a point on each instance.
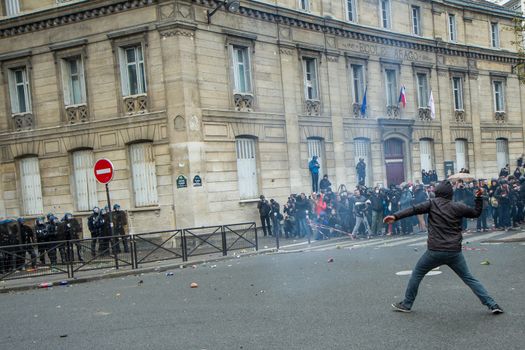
(444, 218)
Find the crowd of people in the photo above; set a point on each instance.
(359, 212)
(27, 246)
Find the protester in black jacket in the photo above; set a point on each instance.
(444, 244)
(264, 213)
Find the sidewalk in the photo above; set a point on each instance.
(266, 245)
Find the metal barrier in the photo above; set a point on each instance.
(115, 252)
(158, 246)
(241, 236)
(204, 240)
(29, 260)
(100, 253)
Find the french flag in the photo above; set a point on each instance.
(403, 97)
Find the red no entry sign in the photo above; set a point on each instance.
(103, 170)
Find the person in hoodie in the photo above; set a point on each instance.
(444, 244)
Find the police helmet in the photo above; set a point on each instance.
(20, 220)
(49, 216)
(96, 210)
(40, 220)
(67, 216)
(116, 207)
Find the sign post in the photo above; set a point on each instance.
(104, 171)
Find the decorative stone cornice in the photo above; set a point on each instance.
(264, 12)
(72, 17)
(282, 16)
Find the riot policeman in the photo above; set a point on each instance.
(52, 236)
(120, 223)
(41, 238)
(104, 231)
(4, 241)
(70, 229)
(12, 253)
(27, 238)
(93, 228)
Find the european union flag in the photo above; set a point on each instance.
(363, 105)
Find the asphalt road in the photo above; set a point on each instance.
(279, 301)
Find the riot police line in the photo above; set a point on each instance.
(52, 243)
(53, 246)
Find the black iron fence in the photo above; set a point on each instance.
(69, 258)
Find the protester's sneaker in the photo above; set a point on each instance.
(400, 307)
(495, 309)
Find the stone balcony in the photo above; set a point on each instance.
(424, 114)
(393, 112)
(135, 104)
(23, 121)
(243, 102)
(500, 116)
(77, 114)
(313, 107)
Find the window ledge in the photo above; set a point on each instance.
(143, 209)
(253, 200)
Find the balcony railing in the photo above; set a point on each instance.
(393, 112)
(23, 121)
(136, 104)
(500, 116)
(243, 102)
(459, 115)
(313, 107)
(77, 114)
(424, 114)
(356, 111)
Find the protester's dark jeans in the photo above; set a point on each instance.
(315, 182)
(302, 227)
(482, 220)
(455, 260)
(495, 216)
(504, 215)
(265, 222)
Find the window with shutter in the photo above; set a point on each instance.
(144, 174)
(30, 186)
(19, 90)
(422, 90)
(241, 69)
(132, 73)
(310, 79)
(247, 168)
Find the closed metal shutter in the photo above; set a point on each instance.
(426, 155)
(85, 183)
(362, 150)
(31, 186)
(144, 174)
(316, 148)
(247, 168)
(502, 153)
(461, 154)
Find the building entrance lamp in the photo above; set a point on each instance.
(229, 5)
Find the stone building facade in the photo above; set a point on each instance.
(242, 100)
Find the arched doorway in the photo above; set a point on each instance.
(394, 161)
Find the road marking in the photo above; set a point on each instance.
(394, 244)
(470, 239)
(360, 244)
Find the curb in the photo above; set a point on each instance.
(161, 268)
